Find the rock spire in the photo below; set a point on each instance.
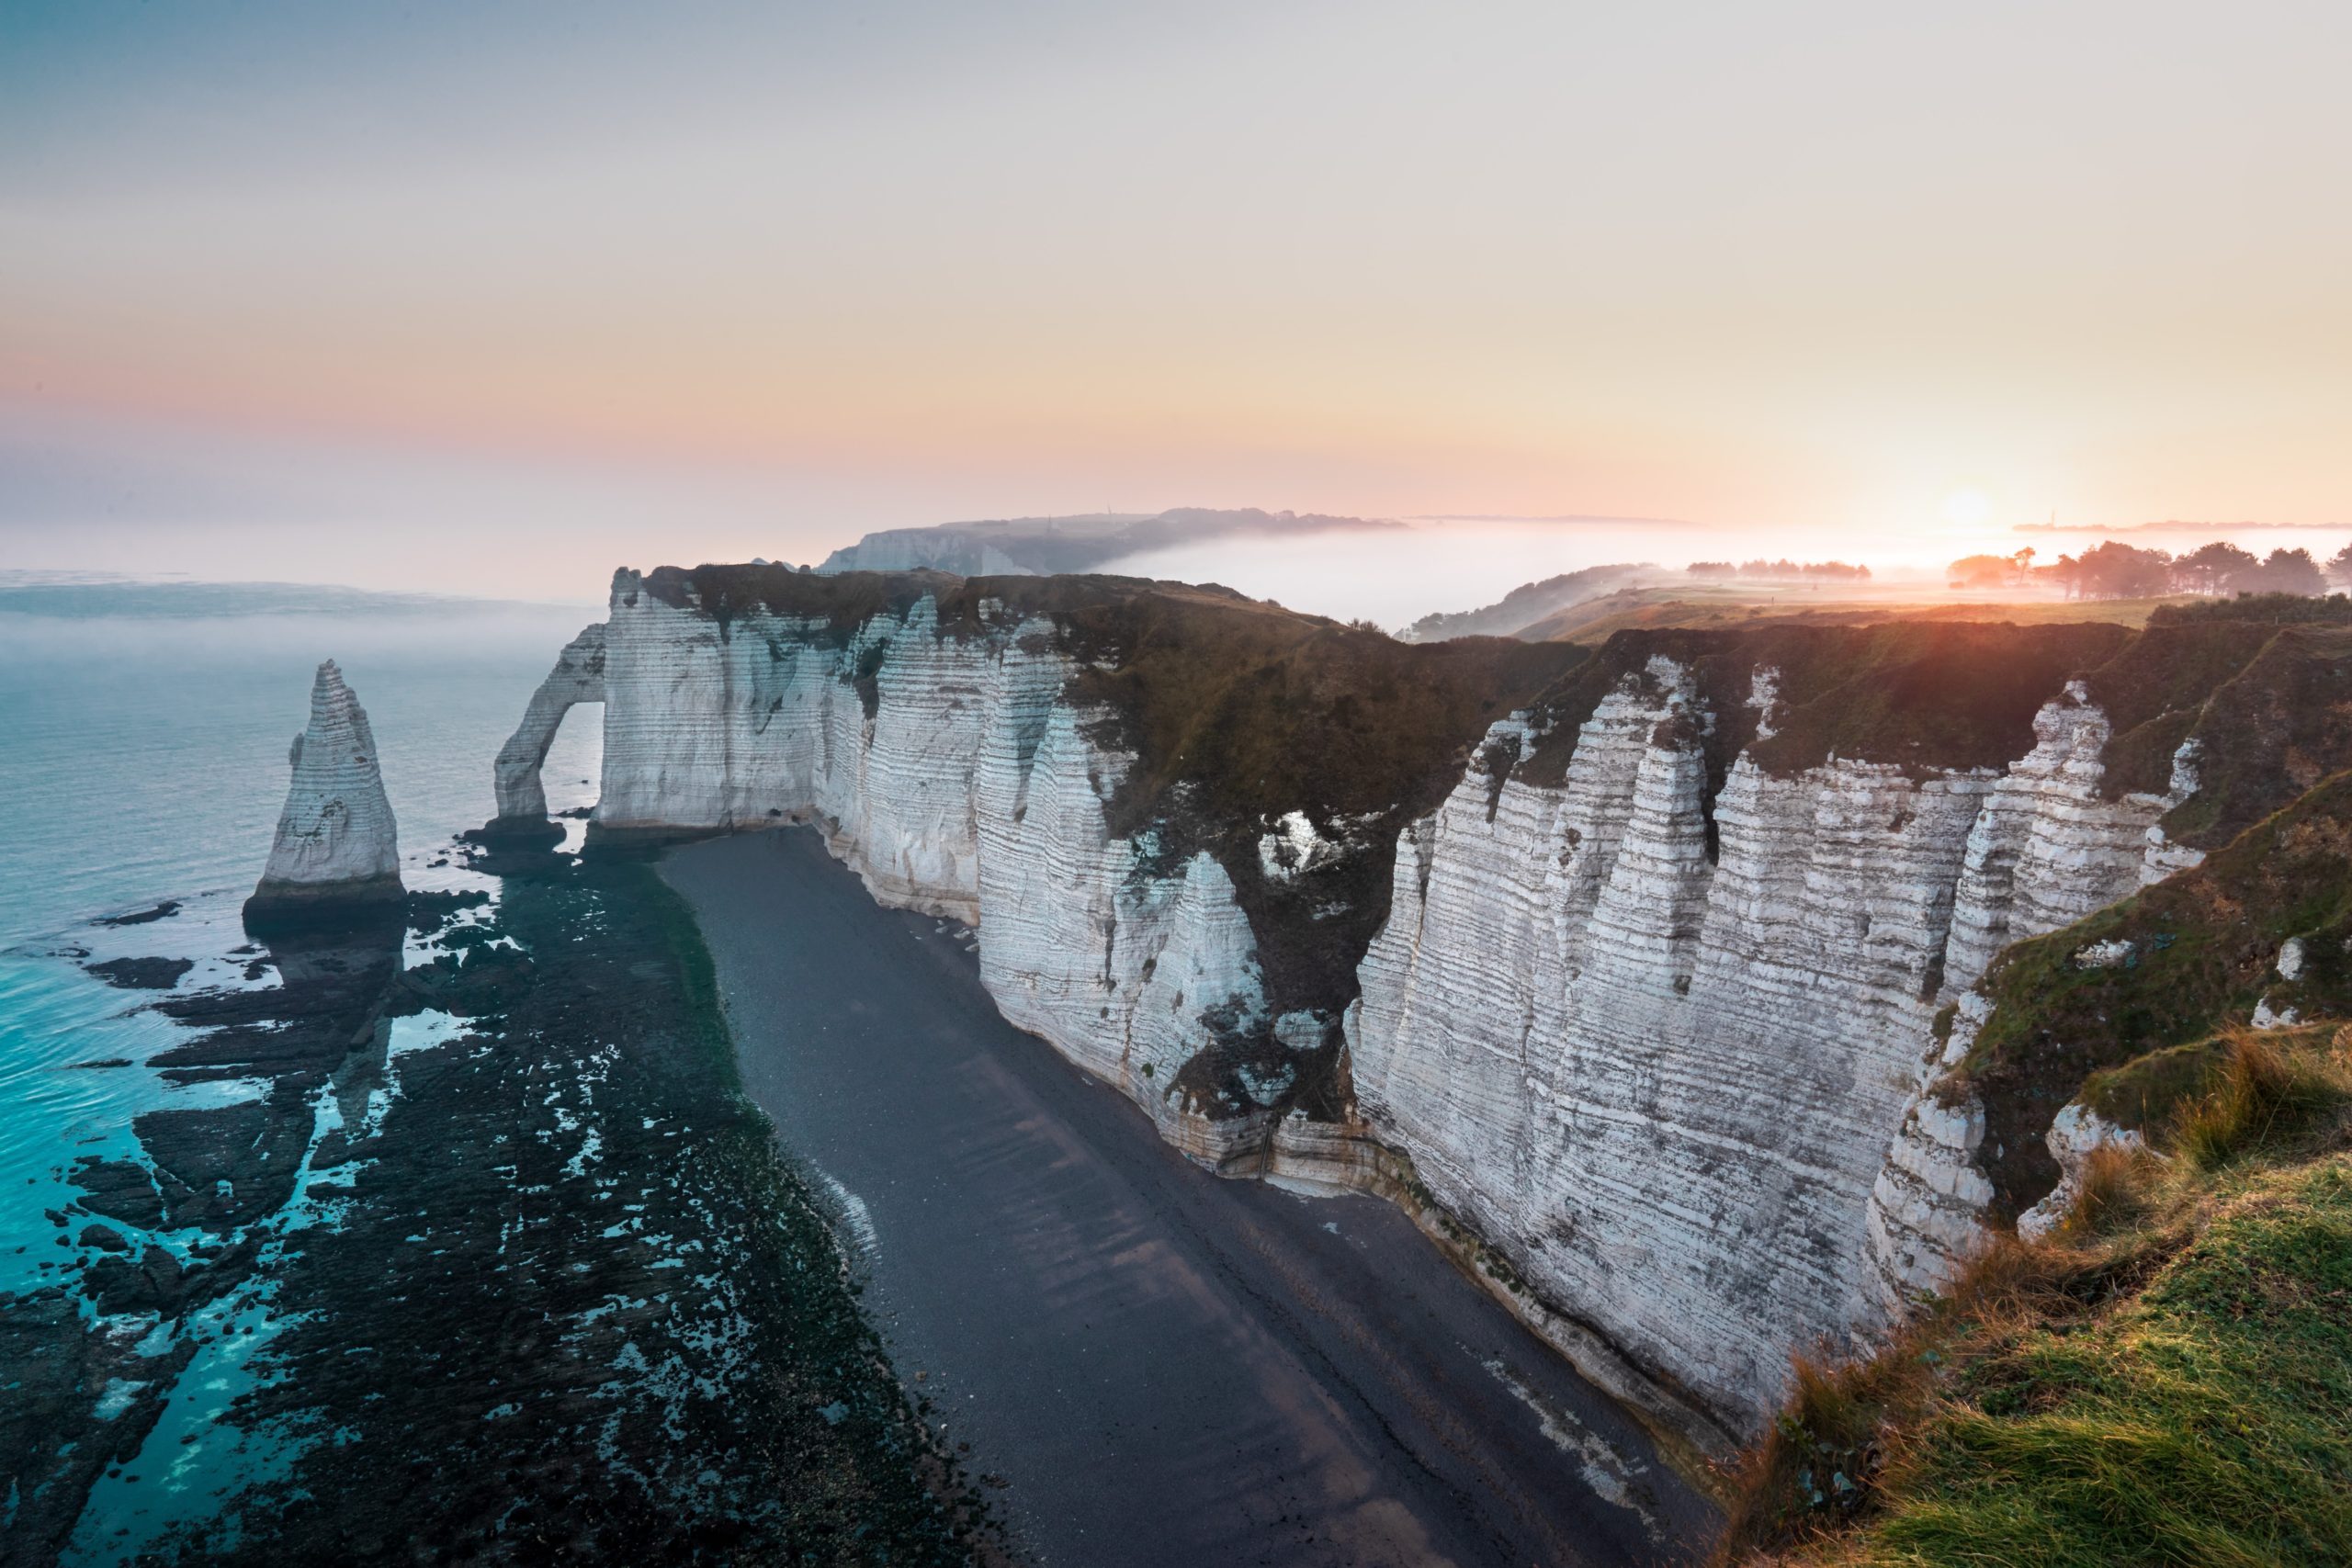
(337, 853)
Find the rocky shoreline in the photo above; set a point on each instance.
(502, 1263)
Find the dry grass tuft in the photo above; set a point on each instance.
(2270, 1087)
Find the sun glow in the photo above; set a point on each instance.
(1968, 508)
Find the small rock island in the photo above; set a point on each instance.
(336, 857)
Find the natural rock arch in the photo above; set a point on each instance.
(578, 677)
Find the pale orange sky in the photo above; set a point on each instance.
(555, 288)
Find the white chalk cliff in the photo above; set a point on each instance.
(1668, 1054)
(957, 781)
(1665, 1087)
(336, 846)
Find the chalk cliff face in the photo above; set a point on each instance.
(1663, 1081)
(951, 769)
(337, 848)
(1657, 972)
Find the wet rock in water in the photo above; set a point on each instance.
(141, 974)
(151, 1282)
(427, 912)
(331, 984)
(337, 855)
(496, 1353)
(491, 1349)
(164, 911)
(52, 1448)
(241, 1161)
(120, 1190)
(481, 983)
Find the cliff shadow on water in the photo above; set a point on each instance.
(502, 1264)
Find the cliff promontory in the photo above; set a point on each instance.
(1633, 966)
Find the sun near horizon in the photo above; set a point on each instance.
(363, 296)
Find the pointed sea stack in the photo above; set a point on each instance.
(337, 859)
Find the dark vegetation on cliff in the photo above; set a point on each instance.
(2263, 685)
(2162, 1381)
(1912, 694)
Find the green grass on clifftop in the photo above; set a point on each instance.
(2169, 1380)
(2200, 949)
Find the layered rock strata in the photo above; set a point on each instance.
(1662, 1080)
(949, 767)
(336, 853)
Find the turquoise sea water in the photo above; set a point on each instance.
(531, 1233)
(142, 759)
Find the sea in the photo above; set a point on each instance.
(144, 729)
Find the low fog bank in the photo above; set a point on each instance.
(1446, 565)
(59, 617)
(1394, 577)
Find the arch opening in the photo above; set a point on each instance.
(578, 678)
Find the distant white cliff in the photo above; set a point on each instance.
(1037, 545)
(336, 851)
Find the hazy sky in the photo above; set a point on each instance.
(512, 292)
